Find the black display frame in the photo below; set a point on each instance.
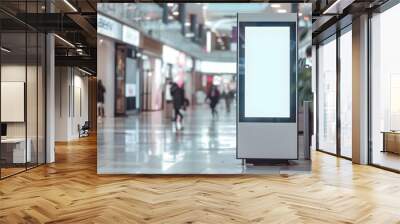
(293, 71)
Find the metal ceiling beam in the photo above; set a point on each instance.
(84, 24)
(81, 61)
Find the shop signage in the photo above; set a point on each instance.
(109, 27)
(130, 35)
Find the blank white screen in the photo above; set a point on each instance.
(267, 72)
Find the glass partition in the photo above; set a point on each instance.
(327, 96)
(346, 93)
(14, 153)
(385, 89)
(22, 77)
(31, 97)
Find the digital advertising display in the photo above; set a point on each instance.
(267, 86)
(267, 78)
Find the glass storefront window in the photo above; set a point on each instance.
(385, 89)
(346, 94)
(327, 96)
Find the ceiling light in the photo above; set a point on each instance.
(70, 5)
(187, 24)
(300, 14)
(208, 41)
(170, 17)
(333, 6)
(282, 11)
(189, 35)
(170, 4)
(84, 71)
(175, 13)
(64, 40)
(147, 18)
(5, 50)
(205, 7)
(276, 5)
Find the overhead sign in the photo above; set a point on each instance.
(130, 35)
(215, 67)
(109, 27)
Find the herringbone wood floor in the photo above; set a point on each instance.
(70, 191)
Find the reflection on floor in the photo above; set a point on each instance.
(386, 159)
(8, 171)
(70, 191)
(149, 143)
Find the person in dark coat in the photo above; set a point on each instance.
(100, 98)
(213, 97)
(178, 99)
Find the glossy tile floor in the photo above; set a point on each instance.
(150, 144)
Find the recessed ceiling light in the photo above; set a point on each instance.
(65, 41)
(282, 11)
(5, 50)
(170, 17)
(70, 5)
(300, 14)
(170, 4)
(84, 71)
(175, 13)
(187, 24)
(189, 35)
(276, 5)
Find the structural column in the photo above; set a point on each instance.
(50, 98)
(360, 90)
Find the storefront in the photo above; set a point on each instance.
(153, 77)
(178, 68)
(334, 94)
(384, 114)
(119, 61)
(377, 81)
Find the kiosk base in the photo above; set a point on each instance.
(267, 162)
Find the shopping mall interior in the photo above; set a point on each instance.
(209, 112)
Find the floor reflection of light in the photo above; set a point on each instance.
(168, 159)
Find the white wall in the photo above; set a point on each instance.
(106, 71)
(70, 83)
(15, 72)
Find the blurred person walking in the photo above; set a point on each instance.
(228, 95)
(213, 97)
(168, 100)
(100, 98)
(178, 96)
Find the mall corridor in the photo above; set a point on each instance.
(151, 143)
